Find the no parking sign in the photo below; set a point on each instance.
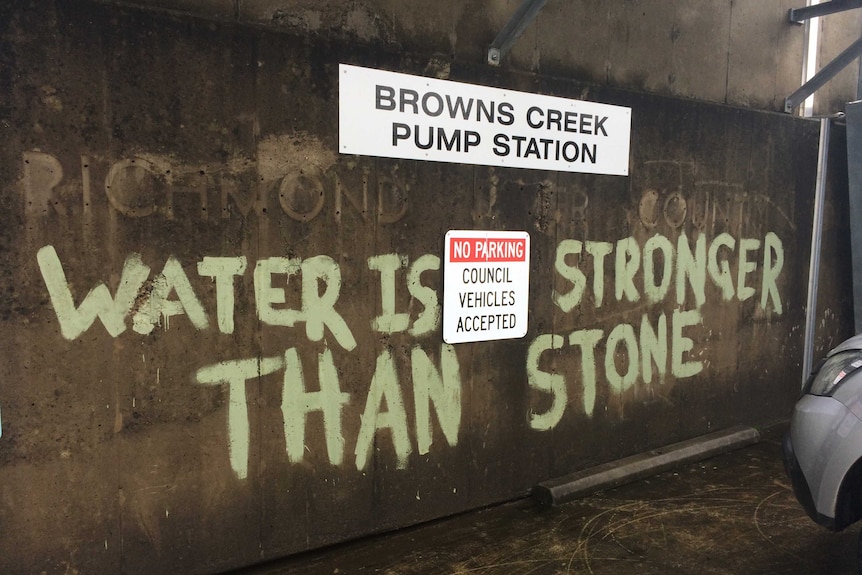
(486, 285)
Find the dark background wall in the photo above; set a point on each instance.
(743, 53)
(168, 157)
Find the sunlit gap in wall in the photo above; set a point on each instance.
(809, 63)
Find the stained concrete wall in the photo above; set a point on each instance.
(740, 53)
(221, 339)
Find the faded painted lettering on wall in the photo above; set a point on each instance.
(663, 279)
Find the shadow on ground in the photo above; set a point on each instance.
(734, 514)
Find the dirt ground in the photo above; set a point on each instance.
(734, 514)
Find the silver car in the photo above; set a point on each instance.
(823, 448)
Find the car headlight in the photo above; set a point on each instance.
(834, 370)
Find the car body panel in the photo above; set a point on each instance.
(823, 449)
(854, 342)
(827, 439)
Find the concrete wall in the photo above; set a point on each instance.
(739, 53)
(166, 180)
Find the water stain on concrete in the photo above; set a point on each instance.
(734, 514)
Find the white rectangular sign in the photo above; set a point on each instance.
(486, 284)
(392, 115)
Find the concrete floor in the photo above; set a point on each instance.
(733, 514)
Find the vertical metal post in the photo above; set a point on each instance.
(859, 81)
(853, 116)
(816, 234)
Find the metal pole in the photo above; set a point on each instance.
(853, 117)
(523, 16)
(799, 15)
(814, 263)
(824, 75)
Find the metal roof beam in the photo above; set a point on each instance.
(824, 75)
(523, 16)
(800, 15)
